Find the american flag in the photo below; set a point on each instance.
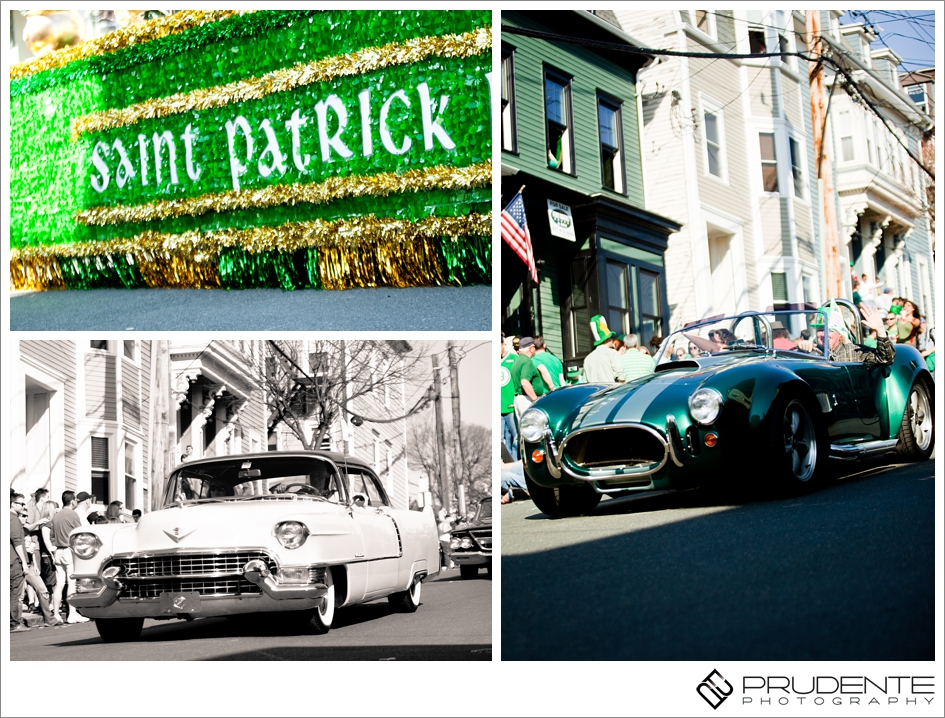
(515, 233)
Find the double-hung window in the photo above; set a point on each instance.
(797, 171)
(769, 161)
(611, 144)
(712, 133)
(559, 144)
(509, 137)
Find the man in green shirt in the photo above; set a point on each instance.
(525, 377)
(548, 365)
(507, 401)
(635, 362)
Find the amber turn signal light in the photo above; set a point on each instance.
(538, 456)
(711, 439)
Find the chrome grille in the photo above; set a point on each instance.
(181, 565)
(209, 574)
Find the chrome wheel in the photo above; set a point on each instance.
(920, 417)
(800, 441)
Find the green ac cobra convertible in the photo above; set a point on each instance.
(744, 401)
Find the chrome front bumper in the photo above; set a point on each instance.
(471, 558)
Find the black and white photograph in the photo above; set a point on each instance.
(303, 499)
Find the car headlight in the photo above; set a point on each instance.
(533, 425)
(291, 534)
(704, 405)
(85, 545)
(466, 542)
(454, 543)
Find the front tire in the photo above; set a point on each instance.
(469, 571)
(406, 601)
(320, 619)
(119, 630)
(917, 432)
(797, 444)
(563, 500)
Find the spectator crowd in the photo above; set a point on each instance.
(40, 556)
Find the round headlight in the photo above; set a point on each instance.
(704, 405)
(291, 534)
(533, 425)
(454, 543)
(85, 545)
(466, 542)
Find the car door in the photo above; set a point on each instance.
(378, 530)
(869, 390)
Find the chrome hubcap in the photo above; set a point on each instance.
(800, 441)
(921, 418)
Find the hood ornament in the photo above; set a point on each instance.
(176, 537)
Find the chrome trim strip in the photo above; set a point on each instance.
(849, 452)
(675, 442)
(600, 474)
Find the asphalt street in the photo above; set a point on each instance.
(416, 308)
(453, 623)
(845, 573)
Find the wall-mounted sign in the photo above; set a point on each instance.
(560, 221)
(324, 149)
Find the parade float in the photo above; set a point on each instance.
(232, 149)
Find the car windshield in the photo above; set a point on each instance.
(787, 330)
(485, 511)
(241, 478)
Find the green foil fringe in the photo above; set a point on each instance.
(458, 261)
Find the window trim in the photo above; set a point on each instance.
(711, 30)
(508, 53)
(707, 104)
(617, 106)
(565, 80)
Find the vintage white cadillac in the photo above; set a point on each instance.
(300, 533)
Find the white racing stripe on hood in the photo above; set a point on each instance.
(633, 404)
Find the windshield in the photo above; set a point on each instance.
(266, 477)
(789, 330)
(485, 511)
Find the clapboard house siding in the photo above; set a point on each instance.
(59, 357)
(130, 393)
(589, 74)
(101, 395)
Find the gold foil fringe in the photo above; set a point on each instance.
(475, 42)
(383, 184)
(352, 252)
(122, 38)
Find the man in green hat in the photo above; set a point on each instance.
(841, 345)
(603, 365)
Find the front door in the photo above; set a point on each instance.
(378, 530)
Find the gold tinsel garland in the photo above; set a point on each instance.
(287, 237)
(368, 59)
(122, 38)
(359, 252)
(383, 184)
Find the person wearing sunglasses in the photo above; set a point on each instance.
(21, 572)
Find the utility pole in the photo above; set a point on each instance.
(160, 377)
(440, 437)
(818, 112)
(460, 472)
